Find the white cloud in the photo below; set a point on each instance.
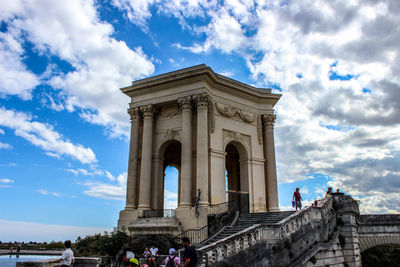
(6, 181)
(15, 78)
(86, 172)
(29, 231)
(223, 33)
(109, 176)
(108, 191)
(44, 136)
(5, 146)
(137, 11)
(101, 64)
(170, 200)
(45, 192)
(93, 172)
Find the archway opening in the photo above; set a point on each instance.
(381, 256)
(236, 177)
(171, 185)
(171, 171)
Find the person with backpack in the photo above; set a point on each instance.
(190, 255)
(172, 260)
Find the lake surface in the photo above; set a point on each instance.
(7, 261)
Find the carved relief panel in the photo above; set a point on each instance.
(235, 113)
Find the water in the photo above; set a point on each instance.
(7, 261)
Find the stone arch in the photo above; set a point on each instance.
(237, 167)
(168, 153)
(242, 141)
(367, 242)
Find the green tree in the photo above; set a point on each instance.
(107, 244)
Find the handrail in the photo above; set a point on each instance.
(197, 236)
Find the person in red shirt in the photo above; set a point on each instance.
(297, 198)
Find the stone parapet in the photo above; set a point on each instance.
(78, 262)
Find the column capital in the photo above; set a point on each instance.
(202, 100)
(148, 110)
(185, 103)
(269, 120)
(134, 113)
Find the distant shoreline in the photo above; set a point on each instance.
(31, 252)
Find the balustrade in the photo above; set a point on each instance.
(217, 251)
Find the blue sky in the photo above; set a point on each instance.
(63, 124)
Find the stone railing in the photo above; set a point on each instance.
(273, 233)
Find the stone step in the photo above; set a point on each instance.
(249, 219)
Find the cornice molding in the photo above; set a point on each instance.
(196, 73)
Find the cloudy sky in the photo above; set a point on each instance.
(63, 122)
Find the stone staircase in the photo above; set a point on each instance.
(291, 240)
(245, 221)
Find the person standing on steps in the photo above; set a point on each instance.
(329, 192)
(190, 255)
(297, 198)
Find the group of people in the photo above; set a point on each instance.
(151, 255)
(173, 260)
(18, 250)
(296, 200)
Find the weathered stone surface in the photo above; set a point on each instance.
(326, 235)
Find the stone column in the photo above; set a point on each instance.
(147, 145)
(131, 187)
(202, 101)
(269, 154)
(157, 184)
(186, 156)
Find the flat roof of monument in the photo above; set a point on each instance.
(188, 75)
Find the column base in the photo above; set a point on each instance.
(143, 207)
(183, 205)
(130, 207)
(273, 209)
(203, 204)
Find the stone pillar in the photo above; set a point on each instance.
(131, 187)
(145, 170)
(186, 156)
(202, 101)
(157, 184)
(269, 155)
(348, 211)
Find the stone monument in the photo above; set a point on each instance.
(209, 127)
